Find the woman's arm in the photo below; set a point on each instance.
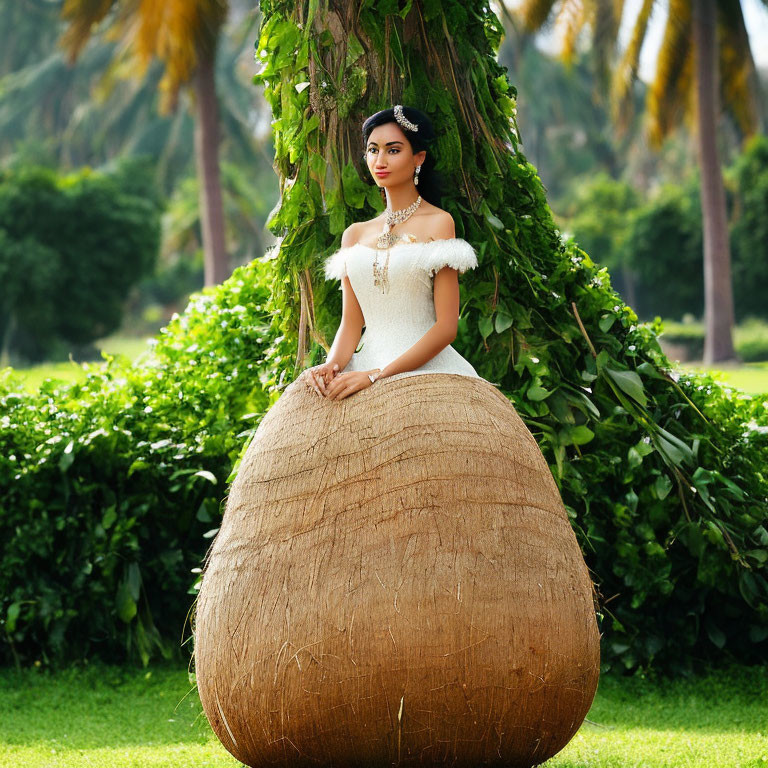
(443, 332)
(352, 320)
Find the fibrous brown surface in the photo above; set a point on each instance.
(395, 582)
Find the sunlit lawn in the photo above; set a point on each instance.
(131, 347)
(750, 377)
(110, 717)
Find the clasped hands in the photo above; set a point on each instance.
(326, 380)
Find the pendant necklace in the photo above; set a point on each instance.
(386, 239)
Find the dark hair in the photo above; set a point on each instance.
(430, 181)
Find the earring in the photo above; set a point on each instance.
(416, 177)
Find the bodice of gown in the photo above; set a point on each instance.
(397, 319)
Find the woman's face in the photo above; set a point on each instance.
(389, 152)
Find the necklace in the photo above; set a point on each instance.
(386, 239)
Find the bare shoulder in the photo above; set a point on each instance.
(351, 234)
(441, 226)
(433, 221)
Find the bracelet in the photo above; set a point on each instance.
(372, 377)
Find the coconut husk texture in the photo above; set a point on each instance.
(395, 582)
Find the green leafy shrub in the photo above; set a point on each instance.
(110, 485)
(598, 216)
(751, 340)
(664, 247)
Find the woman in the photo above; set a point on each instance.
(399, 271)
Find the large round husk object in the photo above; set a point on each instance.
(395, 582)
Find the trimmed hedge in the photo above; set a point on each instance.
(110, 485)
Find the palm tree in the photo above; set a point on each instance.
(705, 53)
(183, 35)
(97, 115)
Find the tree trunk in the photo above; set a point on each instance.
(718, 292)
(630, 291)
(207, 158)
(7, 335)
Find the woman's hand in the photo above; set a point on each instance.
(319, 376)
(348, 383)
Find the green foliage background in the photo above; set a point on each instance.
(749, 231)
(70, 250)
(660, 241)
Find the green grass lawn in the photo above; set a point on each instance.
(131, 347)
(111, 717)
(750, 377)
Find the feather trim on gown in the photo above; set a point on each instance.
(335, 267)
(432, 256)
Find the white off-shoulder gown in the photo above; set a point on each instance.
(396, 320)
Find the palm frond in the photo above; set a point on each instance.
(667, 102)
(177, 32)
(81, 16)
(622, 104)
(534, 13)
(739, 89)
(571, 17)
